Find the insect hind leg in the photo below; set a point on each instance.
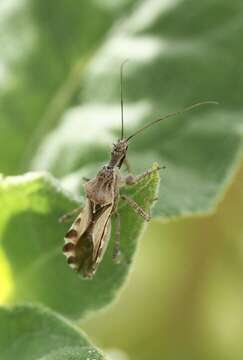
(134, 179)
(138, 210)
(117, 255)
(68, 216)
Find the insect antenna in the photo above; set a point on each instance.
(121, 84)
(170, 115)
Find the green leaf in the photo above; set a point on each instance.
(28, 333)
(179, 54)
(32, 240)
(44, 48)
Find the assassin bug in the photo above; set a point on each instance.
(87, 238)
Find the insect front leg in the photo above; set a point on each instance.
(133, 179)
(85, 179)
(138, 210)
(68, 216)
(128, 166)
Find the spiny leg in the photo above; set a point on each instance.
(133, 179)
(68, 216)
(128, 166)
(116, 257)
(136, 207)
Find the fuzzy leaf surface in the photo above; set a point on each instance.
(177, 56)
(32, 241)
(33, 333)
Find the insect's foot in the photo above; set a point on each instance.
(118, 257)
(148, 218)
(158, 168)
(152, 200)
(85, 179)
(62, 219)
(121, 260)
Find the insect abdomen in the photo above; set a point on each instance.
(75, 233)
(71, 240)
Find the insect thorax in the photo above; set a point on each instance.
(101, 189)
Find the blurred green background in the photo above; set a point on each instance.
(59, 112)
(183, 299)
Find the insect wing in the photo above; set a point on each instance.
(101, 234)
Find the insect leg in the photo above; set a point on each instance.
(66, 217)
(133, 179)
(116, 257)
(128, 166)
(85, 179)
(136, 207)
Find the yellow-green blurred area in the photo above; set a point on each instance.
(183, 299)
(182, 296)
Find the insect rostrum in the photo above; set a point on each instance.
(87, 239)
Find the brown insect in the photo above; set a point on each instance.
(88, 237)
